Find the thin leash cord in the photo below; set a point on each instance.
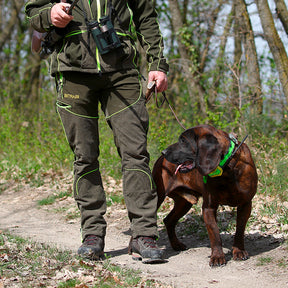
(164, 95)
(172, 110)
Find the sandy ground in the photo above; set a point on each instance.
(20, 214)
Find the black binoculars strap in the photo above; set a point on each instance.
(111, 11)
(85, 8)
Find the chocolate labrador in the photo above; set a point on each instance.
(210, 163)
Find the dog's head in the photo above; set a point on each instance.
(198, 147)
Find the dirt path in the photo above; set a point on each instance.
(20, 214)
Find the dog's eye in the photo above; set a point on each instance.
(183, 142)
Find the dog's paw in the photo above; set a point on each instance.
(178, 246)
(239, 254)
(217, 261)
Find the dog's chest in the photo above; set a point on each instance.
(223, 190)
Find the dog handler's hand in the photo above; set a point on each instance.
(59, 16)
(160, 79)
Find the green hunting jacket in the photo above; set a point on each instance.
(77, 51)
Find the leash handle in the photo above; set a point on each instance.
(73, 4)
(151, 87)
(149, 90)
(148, 96)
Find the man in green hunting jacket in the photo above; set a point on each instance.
(95, 61)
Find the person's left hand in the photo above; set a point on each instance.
(160, 79)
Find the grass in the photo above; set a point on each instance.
(31, 264)
(52, 198)
(264, 261)
(270, 156)
(282, 263)
(275, 208)
(279, 260)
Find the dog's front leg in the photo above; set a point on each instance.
(243, 214)
(217, 254)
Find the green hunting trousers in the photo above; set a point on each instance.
(121, 97)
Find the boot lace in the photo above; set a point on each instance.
(91, 240)
(149, 242)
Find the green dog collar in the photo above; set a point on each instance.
(219, 169)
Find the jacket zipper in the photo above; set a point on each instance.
(97, 51)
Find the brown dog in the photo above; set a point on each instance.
(210, 163)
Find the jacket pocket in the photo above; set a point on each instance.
(79, 49)
(88, 50)
(120, 58)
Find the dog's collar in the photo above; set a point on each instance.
(219, 169)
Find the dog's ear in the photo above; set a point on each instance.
(209, 154)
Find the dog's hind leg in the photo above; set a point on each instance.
(243, 214)
(161, 196)
(181, 207)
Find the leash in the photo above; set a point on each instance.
(148, 96)
(235, 151)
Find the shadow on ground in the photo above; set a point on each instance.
(192, 232)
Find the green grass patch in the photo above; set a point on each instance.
(264, 261)
(69, 283)
(52, 198)
(282, 263)
(277, 210)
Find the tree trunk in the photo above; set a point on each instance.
(7, 30)
(276, 45)
(282, 13)
(221, 57)
(236, 68)
(211, 27)
(254, 81)
(195, 89)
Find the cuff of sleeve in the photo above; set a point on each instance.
(160, 66)
(45, 16)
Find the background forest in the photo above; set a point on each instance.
(228, 67)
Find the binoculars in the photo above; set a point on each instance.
(104, 35)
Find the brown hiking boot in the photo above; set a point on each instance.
(92, 248)
(147, 250)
